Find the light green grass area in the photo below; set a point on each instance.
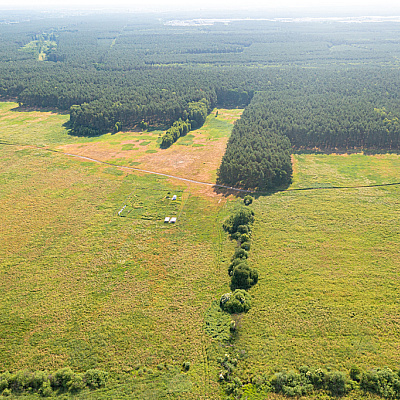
(83, 287)
(345, 170)
(38, 48)
(49, 128)
(328, 294)
(32, 127)
(215, 127)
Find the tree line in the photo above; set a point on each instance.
(116, 72)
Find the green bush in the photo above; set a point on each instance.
(62, 378)
(243, 216)
(240, 253)
(231, 388)
(243, 229)
(39, 379)
(336, 383)
(3, 384)
(76, 384)
(235, 263)
(247, 200)
(245, 237)
(316, 377)
(355, 373)
(46, 390)
(95, 378)
(228, 365)
(237, 302)
(243, 277)
(23, 380)
(245, 246)
(291, 384)
(4, 380)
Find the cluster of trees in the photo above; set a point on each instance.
(46, 384)
(155, 106)
(332, 120)
(256, 156)
(197, 112)
(193, 117)
(179, 128)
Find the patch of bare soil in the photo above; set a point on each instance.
(198, 163)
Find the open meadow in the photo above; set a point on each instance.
(328, 259)
(84, 287)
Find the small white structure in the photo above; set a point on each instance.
(172, 220)
(122, 209)
(166, 220)
(174, 197)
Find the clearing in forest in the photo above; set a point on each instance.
(195, 156)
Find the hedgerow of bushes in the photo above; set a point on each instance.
(382, 382)
(193, 118)
(47, 384)
(179, 128)
(243, 276)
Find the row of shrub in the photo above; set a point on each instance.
(179, 128)
(192, 118)
(46, 384)
(243, 276)
(383, 382)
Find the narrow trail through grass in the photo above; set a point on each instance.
(131, 168)
(195, 181)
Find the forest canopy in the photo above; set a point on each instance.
(304, 86)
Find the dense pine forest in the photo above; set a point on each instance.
(307, 85)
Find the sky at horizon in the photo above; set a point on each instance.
(361, 7)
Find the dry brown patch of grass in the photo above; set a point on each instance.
(196, 163)
(99, 151)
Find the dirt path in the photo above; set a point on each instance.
(150, 172)
(192, 180)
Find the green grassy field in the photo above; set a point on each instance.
(329, 265)
(85, 288)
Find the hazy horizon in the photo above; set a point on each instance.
(286, 7)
